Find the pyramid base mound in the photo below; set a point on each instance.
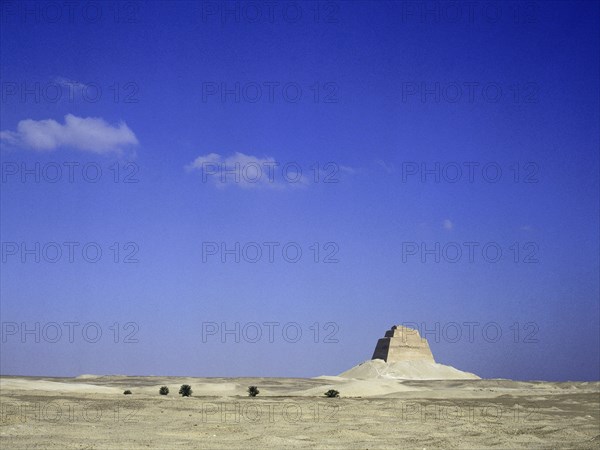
(406, 370)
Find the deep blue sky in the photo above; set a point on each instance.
(369, 62)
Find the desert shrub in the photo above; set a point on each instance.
(127, 392)
(332, 393)
(253, 391)
(185, 390)
(164, 390)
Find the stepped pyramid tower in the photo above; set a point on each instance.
(402, 344)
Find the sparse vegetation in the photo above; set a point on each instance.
(164, 390)
(185, 390)
(127, 392)
(332, 393)
(253, 391)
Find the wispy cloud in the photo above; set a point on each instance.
(247, 171)
(389, 168)
(71, 84)
(87, 134)
(348, 170)
(447, 224)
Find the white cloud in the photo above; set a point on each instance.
(247, 171)
(89, 134)
(447, 224)
(71, 84)
(347, 169)
(200, 161)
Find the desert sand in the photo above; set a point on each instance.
(385, 409)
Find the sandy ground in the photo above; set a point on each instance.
(91, 412)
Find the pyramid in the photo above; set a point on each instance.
(402, 344)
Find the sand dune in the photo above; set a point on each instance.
(26, 384)
(406, 370)
(357, 388)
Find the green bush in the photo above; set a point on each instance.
(185, 390)
(332, 393)
(164, 390)
(253, 391)
(127, 392)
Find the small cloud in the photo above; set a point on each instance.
(88, 134)
(201, 161)
(246, 171)
(447, 224)
(389, 168)
(526, 228)
(348, 170)
(71, 84)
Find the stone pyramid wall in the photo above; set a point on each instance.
(402, 344)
